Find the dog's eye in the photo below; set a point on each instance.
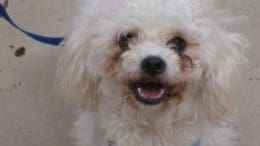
(177, 43)
(124, 39)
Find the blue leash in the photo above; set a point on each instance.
(55, 41)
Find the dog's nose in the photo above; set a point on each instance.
(153, 65)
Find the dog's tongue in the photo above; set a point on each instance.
(150, 92)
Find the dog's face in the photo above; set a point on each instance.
(151, 54)
(153, 65)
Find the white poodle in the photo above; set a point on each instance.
(152, 73)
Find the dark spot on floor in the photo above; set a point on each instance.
(60, 19)
(10, 91)
(11, 46)
(20, 128)
(20, 52)
(0, 70)
(250, 79)
(256, 65)
(15, 87)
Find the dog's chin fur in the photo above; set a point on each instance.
(101, 74)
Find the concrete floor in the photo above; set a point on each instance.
(31, 112)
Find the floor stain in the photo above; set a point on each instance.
(255, 79)
(15, 87)
(20, 128)
(20, 52)
(12, 88)
(9, 90)
(11, 47)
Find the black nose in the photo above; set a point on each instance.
(153, 65)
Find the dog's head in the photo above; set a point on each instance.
(151, 56)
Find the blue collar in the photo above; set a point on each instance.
(197, 143)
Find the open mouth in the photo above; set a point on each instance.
(149, 93)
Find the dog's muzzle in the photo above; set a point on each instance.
(149, 89)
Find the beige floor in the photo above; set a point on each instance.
(32, 114)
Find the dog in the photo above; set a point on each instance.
(152, 73)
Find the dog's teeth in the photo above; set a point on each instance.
(140, 92)
(161, 93)
(147, 95)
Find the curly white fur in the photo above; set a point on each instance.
(91, 78)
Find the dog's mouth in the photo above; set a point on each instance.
(149, 93)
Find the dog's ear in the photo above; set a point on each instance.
(223, 76)
(73, 73)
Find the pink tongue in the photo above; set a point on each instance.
(150, 93)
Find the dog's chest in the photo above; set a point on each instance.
(140, 137)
